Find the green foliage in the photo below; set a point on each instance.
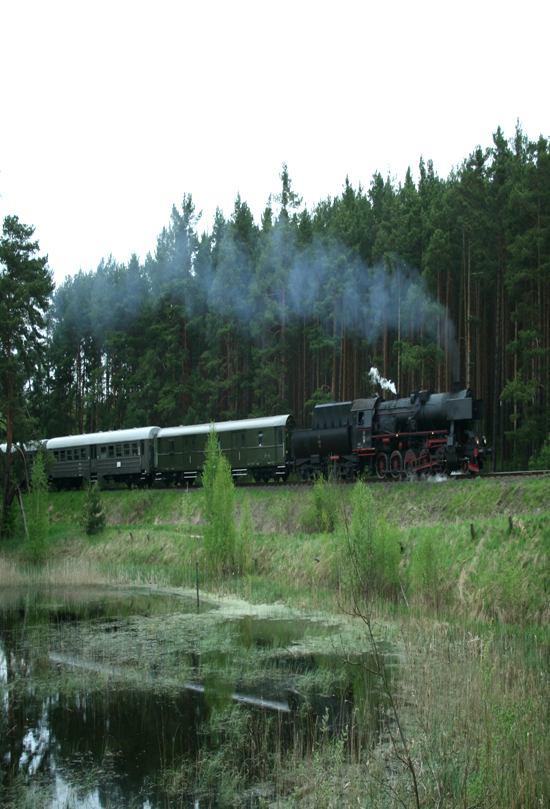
(510, 579)
(326, 503)
(414, 357)
(371, 553)
(93, 515)
(25, 287)
(221, 543)
(245, 538)
(37, 508)
(426, 569)
(212, 455)
(541, 460)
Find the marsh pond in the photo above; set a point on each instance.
(131, 697)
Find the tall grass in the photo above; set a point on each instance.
(370, 552)
(471, 695)
(497, 573)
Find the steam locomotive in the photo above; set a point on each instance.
(424, 433)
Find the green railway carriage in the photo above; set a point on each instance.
(126, 456)
(258, 447)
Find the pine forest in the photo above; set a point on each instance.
(434, 281)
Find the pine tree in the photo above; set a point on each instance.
(93, 516)
(25, 287)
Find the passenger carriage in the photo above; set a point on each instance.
(125, 456)
(259, 447)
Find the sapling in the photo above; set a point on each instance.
(93, 516)
(220, 533)
(372, 563)
(37, 511)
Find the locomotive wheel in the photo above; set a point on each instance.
(381, 465)
(409, 463)
(423, 459)
(396, 464)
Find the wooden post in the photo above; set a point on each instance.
(197, 584)
(18, 490)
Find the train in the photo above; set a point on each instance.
(421, 434)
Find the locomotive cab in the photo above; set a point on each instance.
(363, 412)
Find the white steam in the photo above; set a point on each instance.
(377, 379)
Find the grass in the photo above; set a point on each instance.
(475, 549)
(470, 622)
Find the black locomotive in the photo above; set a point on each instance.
(423, 433)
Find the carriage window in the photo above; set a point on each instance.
(69, 454)
(111, 451)
(83, 453)
(119, 450)
(103, 452)
(260, 439)
(126, 450)
(56, 454)
(360, 417)
(62, 455)
(243, 439)
(172, 446)
(135, 449)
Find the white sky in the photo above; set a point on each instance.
(111, 111)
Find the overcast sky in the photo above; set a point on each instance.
(111, 111)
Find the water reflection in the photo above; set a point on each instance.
(103, 695)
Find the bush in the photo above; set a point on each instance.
(371, 554)
(542, 459)
(325, 503)
(93, 516)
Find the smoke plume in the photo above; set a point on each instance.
(377, 379)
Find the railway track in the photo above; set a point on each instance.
(510, 475)
(426, 477)
(520, 473)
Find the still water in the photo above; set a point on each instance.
(132, 698)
